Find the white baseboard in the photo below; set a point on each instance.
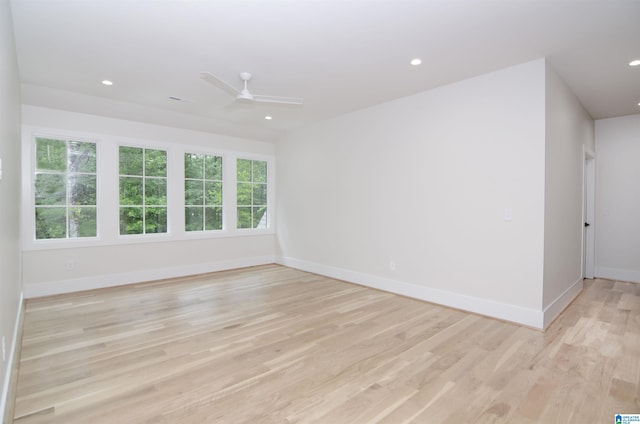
(630, 275)
(12, 358)
(110, 280)
(525, 316)
(556, 307)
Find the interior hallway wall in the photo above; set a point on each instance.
(569, 131)
(10, 278)
(439, 195)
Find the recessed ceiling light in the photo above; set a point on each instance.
(417, 61)
(107, 82)
(635, 62)
(268, 118)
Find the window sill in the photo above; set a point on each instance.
(141, 239)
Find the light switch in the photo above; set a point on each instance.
(508, 214)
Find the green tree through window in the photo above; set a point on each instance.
(65, 189)
(143, 190)
(202, 192)
(252, 193)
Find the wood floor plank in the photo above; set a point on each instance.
(271, 344)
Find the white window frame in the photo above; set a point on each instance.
(108, 196)
(225, 217)
(144, 177)
(269, 193)
(28, 221)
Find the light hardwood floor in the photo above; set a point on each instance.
(276, 345)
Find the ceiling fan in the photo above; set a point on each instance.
(244, 94)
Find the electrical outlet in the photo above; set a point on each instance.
(4, 350)
(392, 265)
(70, 264)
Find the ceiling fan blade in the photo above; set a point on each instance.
(239, 104)
(212, 79)
(277, 99)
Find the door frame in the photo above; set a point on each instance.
(588, 213)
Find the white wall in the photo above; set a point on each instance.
(45, 271)
(569, 129)
(48, 117)
(425, 181)
(10, 287)
(618, 198)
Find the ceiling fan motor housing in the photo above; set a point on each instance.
(245, 95)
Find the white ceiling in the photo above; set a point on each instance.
(339, 55)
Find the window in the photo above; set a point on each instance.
(143, 190)
(202, 192)
(252, 193)
(65, 189)
(87, 189)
